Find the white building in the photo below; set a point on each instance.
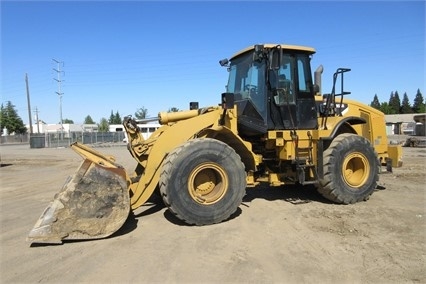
(65, 128)
(146, 129)
(406, 124)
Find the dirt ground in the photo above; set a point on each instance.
(278, 235)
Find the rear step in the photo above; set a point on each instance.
(305, 163)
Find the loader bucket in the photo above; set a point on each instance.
(93, 203)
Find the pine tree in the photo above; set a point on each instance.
(117, 118)
(10, 119)
(375, 103)
(386, 108)
(67, 120)
(3, 117)
(88, 120)
(405, 105)
(111, 118)
(419, 104)
(395, 102)
(114, 118)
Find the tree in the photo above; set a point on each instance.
(114, 118)
(386, 109)
(10, 119)
(419, 104)
(395, 102)
(141, 113)
(405, 105)
(111, 118)
(375, 103)
(103, 125)
(88, 120)
(173, 109)
(117, 118)
(66, 120)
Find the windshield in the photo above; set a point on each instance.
(247, 80)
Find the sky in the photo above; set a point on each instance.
(119, 56)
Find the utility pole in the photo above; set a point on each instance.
(59, 93)
(29, 105)
(36, 117)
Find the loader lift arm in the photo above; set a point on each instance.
(151, 152)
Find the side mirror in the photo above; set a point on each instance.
(224, 62)
(228, 101)
(193, 105)
(275, 58)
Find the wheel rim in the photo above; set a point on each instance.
(207, 183)
(355, 169)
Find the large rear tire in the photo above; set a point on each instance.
(203, 181)
(351, 170)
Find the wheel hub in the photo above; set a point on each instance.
(355, 170)
(207, 183)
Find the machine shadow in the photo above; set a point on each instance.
(153, 205)
(294, 194)
(176, 221)
(5, 165)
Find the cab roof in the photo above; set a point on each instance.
(307, 49)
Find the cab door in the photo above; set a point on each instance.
(292, 99)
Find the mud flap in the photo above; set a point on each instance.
(93, 203)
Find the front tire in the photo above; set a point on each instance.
(351, 170)
(203, 181)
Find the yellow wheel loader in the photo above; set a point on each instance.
(273, 125)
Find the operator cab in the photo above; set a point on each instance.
(272, 87)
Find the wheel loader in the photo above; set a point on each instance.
(272, 125)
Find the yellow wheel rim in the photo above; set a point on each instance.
(208, 183)
(355, 169)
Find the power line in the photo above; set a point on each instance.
(28, 102)
(37, 120)
(59, 72)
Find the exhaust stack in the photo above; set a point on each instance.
(317, 78)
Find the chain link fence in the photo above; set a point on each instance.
(55, 140)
